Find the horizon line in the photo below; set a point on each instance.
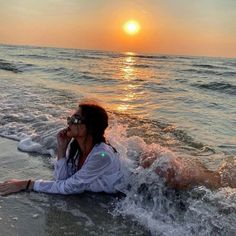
(114, 51)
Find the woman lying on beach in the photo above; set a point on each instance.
(85, 162)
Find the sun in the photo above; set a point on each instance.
(131, 27)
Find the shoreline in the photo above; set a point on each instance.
(42, 214)
(17, 215)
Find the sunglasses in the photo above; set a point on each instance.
(74, 120)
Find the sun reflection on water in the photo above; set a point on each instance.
(122, 108)
(129, 75)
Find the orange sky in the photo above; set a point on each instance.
(203, 27)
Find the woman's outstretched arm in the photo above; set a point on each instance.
(15, 185)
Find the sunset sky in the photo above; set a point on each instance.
(193, 27)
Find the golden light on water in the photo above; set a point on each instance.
(128, 73)
(123, 107)
(131, 27)
(132, 93)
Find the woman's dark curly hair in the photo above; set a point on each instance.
(96, 120)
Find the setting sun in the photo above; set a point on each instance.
(131, 27)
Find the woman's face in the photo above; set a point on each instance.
(75, 129)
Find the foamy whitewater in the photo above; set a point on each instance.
(169, 105)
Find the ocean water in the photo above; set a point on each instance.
(172, 105)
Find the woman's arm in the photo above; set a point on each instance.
(62, 143)
(61, 168)
(15, 185)
(87, 178)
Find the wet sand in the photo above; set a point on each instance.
(32, 213)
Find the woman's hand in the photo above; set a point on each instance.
(62, 142)
(12, 186)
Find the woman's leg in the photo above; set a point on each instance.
(181, 174)
(228, 173)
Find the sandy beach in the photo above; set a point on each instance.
(40, 214)
(18, 214)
